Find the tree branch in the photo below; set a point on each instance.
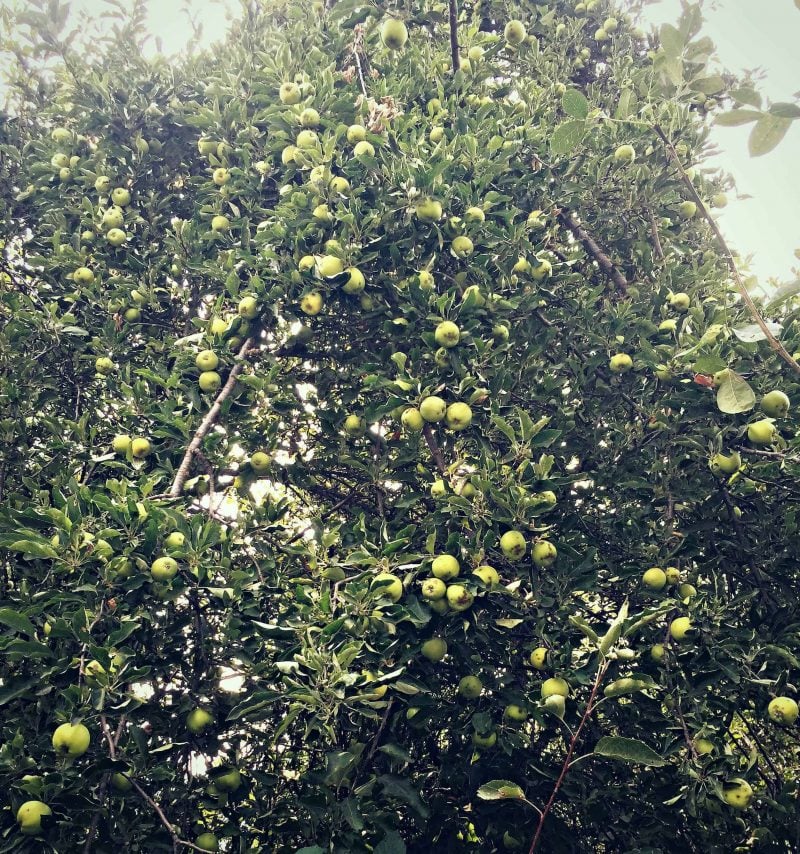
(436, 451)
(454, 54)
(728, 255)
(590, 245)
(208, 422)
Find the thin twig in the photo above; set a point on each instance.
(208, 422)
(590, 245)
(176, 840)
(454, 54)
(338, 506)
(728, 255)
(656, 238)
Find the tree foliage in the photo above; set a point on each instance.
(277, 690)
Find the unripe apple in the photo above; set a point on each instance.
(673, 575)
(121, 443)
(220, 223)
(394, 33)
(433, 588)
(737, 793)
(438, 489)
(538, 658)
(339, 185)
(686, 591)
(488, 575)
(434, 649)
(783, 710)
(687, 209)
(619, 363)
(470, 687)
(679, 628)
(113, 218)
(680, 301)
(775, 404)
(761, 432)
(514, 33)
(121, 197)
(442, 358)
(485, 740)
(625, 154)
(207, 842)
(433, 408)
(221, 176)
(719, 200)
(654, 579)
(248, 308)
(555, 686)
(199, 720)
(458, 597)
(209, 381)
(445, 567)
(140, 447)
(311, 303)
(329, 266)
(83, 276)
(725, 465)
(475, 53)
(116, 236)
(544, 553)
(412, 420)
(515, 713)
(71, 739)
(388, 585)
(428, 210)
(207, 360)
(355, 284)
(541, 270)
(600, 35)
(513, 545)
(458, 416)
(447, 334)
(657, 652)
(356, 133)
(260, 461)
(364, 149)
(120, 782)
(436, 134)
(104, 365)
(703, 746)
(230, 780)
(355, 426)
(501, 333)
(164, 568)
(462, 246)
(289, 93)
(474, 214)
(175, 540)
(29, 817)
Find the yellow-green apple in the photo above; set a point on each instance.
(654, 578)
(554, 686)
(428, 210)
(679, 628)
(775, 404)
(175, 540)
(355, 284)
(720, 464)
(434, 649)
(394, 33)
(447, 334)
(355, 426)
(458, 416)
(513, 545)
(412, 420)
(140, 447)
(761, 432)
(121, 443)
(388, 585)
(356, 133)
(220, 223)
(260, 461)
(445, 567)
(488, 575)
(71, 739)
(544, 553)
(164, 568)
(209, 381)
(289, 93)
(515, 713)
(538, 658)
(619, 363)
(248, 308)
(198, 720)
(783, 710)
(433, 408)
(462, 246)
(458, 597)
(311, 303)
(737, 793)
(470, 687)
(514, 32)
(625, 154)
(29, 817)
(207, 360)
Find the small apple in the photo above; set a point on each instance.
(104, 365)
(207, 360)
(458, 416)
(655, 578)
(412, 420)
(83, 276)
(355, 426)
(428, 210)
(438, 489)
(388, 585)
(61, 135)
(199, 720)
(544, 553)
(140, 448)
(339, 184)
(687, 209)
(260, 462)
(619, 363)
(220, 223)
(737, 793)
(703, 746)
(515, 713)
(470, 687)
(775, 404)
(538, 658)
(554, 686)
(116, 236)
(679, 628)
(657, 652)
(673, 575)
(394, 33)
(426, 281)
(289, 93)
(175, 540)
(488, 575)
(680, 301)
(445, 567)
(248, 308)
(761, 432)
(311, 303)
(356, 133)
(221, 176)
(720, 464)
(121, 443)
(541, 270)
(439, 606)
(71, 739)
(164, 568)
(447, 334)
(514, 33)
(458, 597)
(207, 146)
(433, 408)
(667, 326)
(29, 817)
(209, 381)
(600, 35)
(322, 213)
(121, 197)
(686, 591)
(364, 149)
(113, 218)
(309, 117)
(513, 545)
(102, 184)
(783, 710)
(434, 649)
(436, 135)
(433, 588)
(207, 842)
(474, 214)
(355, 284)
(229, 781)
(484, 741)
(719, 200)
(462, 246)
(625, 154)
(329, 266)
(120, 782)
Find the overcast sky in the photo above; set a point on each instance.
(749, 34)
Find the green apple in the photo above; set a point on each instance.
(619, 363)
(554, 686)
(686, 591)
(116, 236)
(322, 213)
(356, 133)
(600, 35)
(121, 197)
(703, 746)
(29, 817)
(164, 568)
(311, 303)
(719, 200)
(209, 381)
(433, 408)
(426, 281)
(438, 489)
(436, 135)
(289, 93)
(428, 210)
(556, 705)
(447, 334)
(132, 315)
(541, 270)
(140, 448)
(672, 574)
(442, 357)
(720, 464)
(433, 588)
(221, 176)
(657, 652)
(83, 276)
(339, 185)
(470, 687)
(220, 223)
(761, 432)
(625, 154)
(207, 360)
(61, 135)
(355, 426)
(104, 365)
(229, 781)
(679, 628)
(544, 553)
(207, 146)
(434, 649)
(59, 161)
(364, 149)
(501, 333)
(394, 33)
(120, 782)
(737, 793)
(412, 420)
(515, 713)
(102, 184)
(783, 710)
(680, 301)
(207, 842)
(458, 416)
(458, 597)
(513, 545)
(175, 540)
(71, 739)
(307, 139)
(121, 443)
(462, 246)
(445, 567)
(218, 326)
(474, 214)
(775, 404)
(260, 461)
(484, 741)
(309, 117)
(687, 209)
(667, 326)
(440, 606)
(329, 266)
(355, 284)
(514, 33)
(610, 25)
(113, 218)
(388, 585)
(248, 308)
(488, 575)
(538, 658)
(654, 578)
(198, 720)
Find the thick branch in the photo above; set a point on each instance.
(433, 445)
(454, 54)
(728, 255)
(590, 245)
(208, 422)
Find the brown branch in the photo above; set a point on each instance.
(208, 422)
(656, 239)
(358, 45)
(454, 54)
(590, 245)
(176, 840)
(338, 506)
(762, 750)
(436, 451)
(728, 255)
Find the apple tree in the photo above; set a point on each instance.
(392, 456)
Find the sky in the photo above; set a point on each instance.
(749, 34)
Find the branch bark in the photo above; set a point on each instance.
(433, 445)
(208, 422)
(590, 245)
(728, 255)
(454, 54)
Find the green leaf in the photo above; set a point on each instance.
(499, 790)
(34, 548)
(581, 624)
(767, 133)
(752, 333)
(671, 40)
(626, 685)
(708, 85)
(615, 630)
(567, 136)
(735, 118)
(746, 96)
(392, 843)
(734, 394)
(785, 109)
(575, 104)
(19, 622)
(628, 750)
